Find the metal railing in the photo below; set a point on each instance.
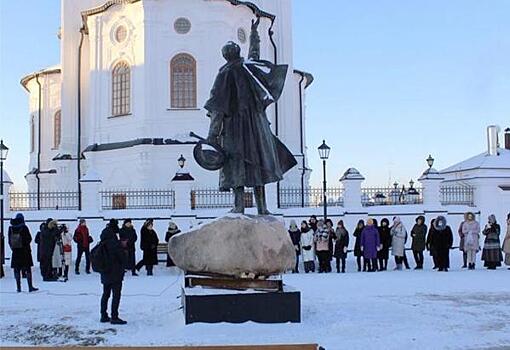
(310, 197)
(215, 199)
(30, 201)
(372, 196)
(457, 195)
(137, 199)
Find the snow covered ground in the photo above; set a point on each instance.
(385, 310)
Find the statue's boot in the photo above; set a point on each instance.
(260, 199)
(238, 201)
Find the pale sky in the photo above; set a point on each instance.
(395, 80)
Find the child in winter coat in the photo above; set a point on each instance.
(307, 244)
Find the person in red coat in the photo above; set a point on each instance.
(83, 240)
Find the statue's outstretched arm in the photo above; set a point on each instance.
(215, 126)
(254, 53)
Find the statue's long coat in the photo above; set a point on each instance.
(241, 93)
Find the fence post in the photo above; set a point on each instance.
(91, 194)
(431, 183)
(182, 183)
(351, 181)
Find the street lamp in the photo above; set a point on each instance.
(411, 183)
(430, 161)
(181, 161)
(324, 155)
(4, 150)
(395, 184)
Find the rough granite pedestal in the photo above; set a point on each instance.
(233, 268)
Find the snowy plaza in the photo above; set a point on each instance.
(384, 310)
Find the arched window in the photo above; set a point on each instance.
(121, 89)
(183, 81)
(57, 129)
(32, 134)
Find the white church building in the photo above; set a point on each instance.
(133, 78)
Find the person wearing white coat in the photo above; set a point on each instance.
(471, 232)
(67, 245)
(307, 247)
(398, 240)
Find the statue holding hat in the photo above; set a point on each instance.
(247, 152)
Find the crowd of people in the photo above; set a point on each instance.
(317, 240)
(54, 254)
(314, 240)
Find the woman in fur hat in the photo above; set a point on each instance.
(443, 242)
(172, 231)
(491, 254)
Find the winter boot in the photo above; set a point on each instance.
(117, 321)
(104, 318)
(17, 276)
(31, 287)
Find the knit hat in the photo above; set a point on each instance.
(126, 221)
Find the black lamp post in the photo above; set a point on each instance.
(324, 155)
(4, 150)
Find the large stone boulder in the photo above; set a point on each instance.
(235, 245)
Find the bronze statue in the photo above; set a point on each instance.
(252, 155)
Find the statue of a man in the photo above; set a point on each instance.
(242, 91)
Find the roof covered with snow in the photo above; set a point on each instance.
(482, 161)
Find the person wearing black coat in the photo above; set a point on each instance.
(341, 245)
(21, 260)
(172, 231)
(385, 239)
(357, 244)
(443, 242)
(113, 277)
(149, 244)
(419, 233)
(429, 244)
(37, 241)
(295, 237)
(128, 238)
(47, 243)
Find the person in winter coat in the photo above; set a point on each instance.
(429, 244)
(37, 241)
(113, 277)
(491, 254)
(149, 244)
(21, 259)
(461, 242)
(419, 233)
(307, 247)
(443, 242)
(128, 238)
(341, 245)
(83, 240)
(295, 237)
(506, 242)
(370, 244)
(67, 246)
(331, 243)
(57, 262)
(312, 223)
(172, 231)
(48, 243)
(398, 240)
(470, 231)
(357, 244)
(385, 239)
(322, 248)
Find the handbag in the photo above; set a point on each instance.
(67, 248)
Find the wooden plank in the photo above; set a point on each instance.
(234, 284)
(237, 347)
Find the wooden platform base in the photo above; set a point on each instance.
(222, 306)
